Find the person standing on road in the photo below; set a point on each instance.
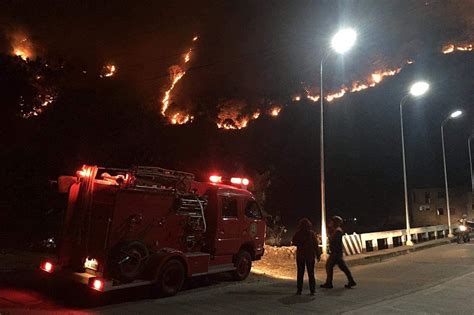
(306, 244)
(336, 256)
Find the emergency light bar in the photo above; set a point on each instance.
(233, 180)
(215, 179)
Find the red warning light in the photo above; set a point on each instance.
(215, 179)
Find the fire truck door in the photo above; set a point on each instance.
(227, 238)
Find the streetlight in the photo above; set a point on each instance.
(470, 162)
(417, 89)
(453, 115)
(341, 42)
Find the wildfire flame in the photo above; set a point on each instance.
(450, 48)
(176, 74)
(357, 86)
(234, 114)
(180, 118)
(22, 47)
(275, 111)
(187, 56)
(108, 71)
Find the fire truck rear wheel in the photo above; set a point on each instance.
(170, 279)
(243, 264)
(128, 260)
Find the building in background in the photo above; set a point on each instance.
(428, 205)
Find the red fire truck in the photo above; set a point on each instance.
(153, 226)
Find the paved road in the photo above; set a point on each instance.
(436, 280)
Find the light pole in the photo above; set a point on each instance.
(470, 162)
(417, 89)
(341, 42)
(453, 115)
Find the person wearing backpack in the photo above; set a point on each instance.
(307, 250)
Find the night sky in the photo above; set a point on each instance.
(261, 52)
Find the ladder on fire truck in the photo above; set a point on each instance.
(161, 178)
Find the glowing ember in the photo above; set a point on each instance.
(297, 98)
(195, 38)
(108, 71)
(42, 102)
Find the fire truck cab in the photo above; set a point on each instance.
(153, 226)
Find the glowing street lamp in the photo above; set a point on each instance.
(341, 42)
(417, 89)
(454, 115)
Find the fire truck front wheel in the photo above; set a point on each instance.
(243, 264)
(170, 279)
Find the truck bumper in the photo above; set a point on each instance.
(93, 282)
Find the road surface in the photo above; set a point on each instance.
(435, 280)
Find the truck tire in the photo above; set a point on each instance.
(170, 279)
(128, 260)
(243, 264)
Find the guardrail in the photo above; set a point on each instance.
(367, 242)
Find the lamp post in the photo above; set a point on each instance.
(453, 115)
(470, 162)
(417, 89)
(341, 42)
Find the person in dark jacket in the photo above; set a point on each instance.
(306, 244)
(336, 255)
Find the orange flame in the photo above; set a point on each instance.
(22, 47)
(176, 74)
(275, 111)
(180, 118)
(296, 98)
(234, 124)
(450, 48)
(108, 71)
(313, 98)
(187, 56)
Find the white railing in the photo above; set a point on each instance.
(359, 243)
